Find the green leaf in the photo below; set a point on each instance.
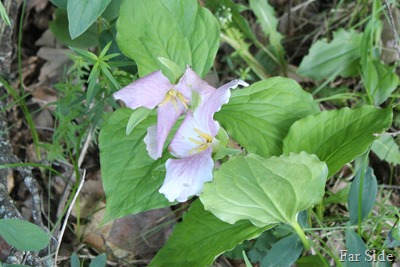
(259, 116)
(380, 81)
(284, 252)
(328, 60)
(179, 31)
(99, 261)
(59, 27)
(393, 238)
(129, 178)
(369, 191)
(246, 188)
(246, 260)
(60, 3)
(175, 70)
(269, 24)
(75, 260)
(312, 261)
(201, 237)
(23, 235)
(337, 136)
(137, 116)
(83, 13)
(4, 15)
(356, 249)
(229, 12)
(386, 149)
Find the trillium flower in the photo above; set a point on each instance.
(192, 145)
(171, 100)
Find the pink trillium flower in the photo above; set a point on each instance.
(192, 145)
(171, 100)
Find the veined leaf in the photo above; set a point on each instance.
(340, 57)
(269, 23)
(23, 235)
(265, 191)
(369, 191)
(201, 237)
(386, 149)
(337, 136)
(259, 116)
(355, 246)
(130, 179)
(83, 13)
(179, 31)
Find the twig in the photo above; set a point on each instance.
(67, 215)
(393, 27)
(394, 134)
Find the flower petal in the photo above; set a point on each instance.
(148, 91)
(186, 139)
(190, 81)
(151, 142)
(204, 113)
(167, 115)
(185, 177)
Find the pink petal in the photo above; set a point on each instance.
(184, 142)
(190, 81)
(148, 91)
(151, 142)
(185, 177)
(205, 112)
(167, 115)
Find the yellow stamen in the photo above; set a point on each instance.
(175, 96)
(203, 145)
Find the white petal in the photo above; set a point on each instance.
(151, 142)
(186, 139)
(205, 112)
(185, 177)
(148, 91)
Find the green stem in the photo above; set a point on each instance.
(296, 226)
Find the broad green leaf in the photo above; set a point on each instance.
(60, 3)
(312, 261)
(265, 191)
(99, 261)
(23, 235)
(179, 31)
(59, 27)
(83, 13)
(284, 252)
(393, 238)
(386, 149)
(112, 10)
(380, 81)
(201, 237)
(259, 116)
(173, 68)
(340, 57)
(75, 260)
(369, 191)
(129, 178)
(356, 251)
(337, 136)
(137, 116)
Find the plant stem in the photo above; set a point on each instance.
(296, 226)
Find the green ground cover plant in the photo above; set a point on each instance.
(252, 161)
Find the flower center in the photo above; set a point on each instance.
(206, 141)
(175, 97)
